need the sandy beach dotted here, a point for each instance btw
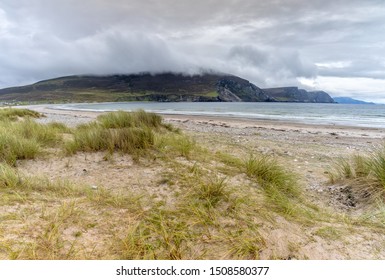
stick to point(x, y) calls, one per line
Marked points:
point(306, 150)
point(303, 148)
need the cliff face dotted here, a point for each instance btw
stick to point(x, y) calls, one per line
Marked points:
point(164, 87)
point(320, 97)
point(294, 94)
point(233, 88)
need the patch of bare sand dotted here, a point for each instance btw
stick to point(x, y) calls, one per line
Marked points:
point(117, 173)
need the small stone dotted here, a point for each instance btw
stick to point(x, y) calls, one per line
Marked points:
point(94, 187)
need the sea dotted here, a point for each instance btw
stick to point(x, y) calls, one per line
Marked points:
point(362, 115)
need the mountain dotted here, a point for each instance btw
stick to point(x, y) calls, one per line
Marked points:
point(138, 87)
point(294, 94)
point(348, 100)
point(164, 87)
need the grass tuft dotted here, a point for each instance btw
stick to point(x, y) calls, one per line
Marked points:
point(9, 177)
point(246, 244)
point(132, 133)
point(158, 236)
point(131, 140)
point(269, 174)
point(13, 148)
point(329, 232)
point(122, 119)
point(211, 192)
point(15, 113)
point(176, 145)
point(279, 186)
point(364, 174)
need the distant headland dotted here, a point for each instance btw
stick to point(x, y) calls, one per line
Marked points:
point(163, 87)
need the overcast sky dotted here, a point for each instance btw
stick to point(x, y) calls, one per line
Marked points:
point(337, 45)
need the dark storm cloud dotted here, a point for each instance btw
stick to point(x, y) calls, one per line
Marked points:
point(272, 43)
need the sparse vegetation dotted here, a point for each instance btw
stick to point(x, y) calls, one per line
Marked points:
point(179, 200)
point(329, 232)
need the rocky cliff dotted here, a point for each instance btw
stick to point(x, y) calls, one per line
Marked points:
point(232, 88)
point(294, 94)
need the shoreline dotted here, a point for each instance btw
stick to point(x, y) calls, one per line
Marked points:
point(293, 113)
point(75, 117)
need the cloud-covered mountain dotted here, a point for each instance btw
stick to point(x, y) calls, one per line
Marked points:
point(336, 46)
point(162, 87)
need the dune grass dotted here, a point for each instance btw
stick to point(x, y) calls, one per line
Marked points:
point(203, 223)
point(122, 119)
point(281, 189)
point(280, 186)
point(15, 113)
point(126, 140)
point(13, 148)
point(200, 205)
point(365, 174)
point(126, 132)
point(173, 145)
point(25, 139)
point(269, 173)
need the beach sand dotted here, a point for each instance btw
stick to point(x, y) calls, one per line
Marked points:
point(307, 150)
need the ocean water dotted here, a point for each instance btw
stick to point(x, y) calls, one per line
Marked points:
point(363, 115)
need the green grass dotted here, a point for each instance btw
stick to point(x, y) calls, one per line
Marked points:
point(269, 174)
point(13, 148)
point(329, 233)
point(176, 145)
point(131, 140)
point(211, 94)
point(365, 174)
point(46, 135)
point(212, 192)
point(9, 177)
point(122, 119)
point(126, 132)
point(246, 243)
point(25, 139)
point(15, 113)
point(280, 187)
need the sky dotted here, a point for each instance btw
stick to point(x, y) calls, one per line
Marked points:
point(333, 45)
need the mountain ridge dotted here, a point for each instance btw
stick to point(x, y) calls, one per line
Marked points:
point(161, 87)
point(295, 94)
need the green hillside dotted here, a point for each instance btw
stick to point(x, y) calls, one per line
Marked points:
point(164, 87)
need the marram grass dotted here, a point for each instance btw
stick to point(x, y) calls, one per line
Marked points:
point(269, 174)
point(127, 132)
point(365, 174)
point(122, 119)
point(15, 113)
